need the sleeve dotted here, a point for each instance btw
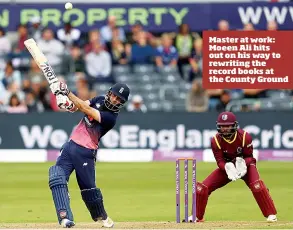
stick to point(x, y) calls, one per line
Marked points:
point(218, 153)
point(1, 75)
point(17, 77)
point(7, 46)
point(188, 102)
point(157, 52)
point(61, 35)
point(107, 119)
point(106, 65)
point(122, 34)
point(59, 48)
point(75, 34)
point(192, 53)
point(104, 33)
point(247, 146)
point(94, 100)
point(45, 48)
point(175, 54)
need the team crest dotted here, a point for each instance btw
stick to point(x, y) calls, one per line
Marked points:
point(121, 90)
point(62, 214)
point(224, 117)
point(257, 186)
point(199, 188)
point(239, 150)
point(98, 105)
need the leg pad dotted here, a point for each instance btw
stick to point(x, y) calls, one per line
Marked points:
point(262, 196)
point(58, 186)
point(93, 200)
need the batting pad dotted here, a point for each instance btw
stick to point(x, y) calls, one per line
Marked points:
point(263, 198)
point(93, 200)
point(58, 186)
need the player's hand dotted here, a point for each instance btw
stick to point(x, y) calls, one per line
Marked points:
point(241, 166)
point(231, 171)
point(59, 88)
point(63, 102)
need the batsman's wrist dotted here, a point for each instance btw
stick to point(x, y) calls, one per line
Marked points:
point(64, 93)
point(67, 92)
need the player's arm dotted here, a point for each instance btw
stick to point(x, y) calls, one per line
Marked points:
point(248, 149)
point(84, 106)
point(218, 153)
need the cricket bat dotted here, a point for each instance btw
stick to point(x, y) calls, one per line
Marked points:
point(41, 60)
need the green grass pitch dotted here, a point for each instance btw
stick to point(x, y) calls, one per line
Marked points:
point(139, 192)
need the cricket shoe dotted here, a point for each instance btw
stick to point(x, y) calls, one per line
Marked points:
point(108, 223)
point(272, 218)
point(197, 220)
point(65, 223)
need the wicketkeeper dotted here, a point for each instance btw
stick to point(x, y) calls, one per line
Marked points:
point(233, 151)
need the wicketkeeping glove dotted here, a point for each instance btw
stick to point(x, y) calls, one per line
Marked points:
point(241, 166)
point(231, 171)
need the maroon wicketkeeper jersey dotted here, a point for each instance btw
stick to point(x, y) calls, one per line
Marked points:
point(227, 150)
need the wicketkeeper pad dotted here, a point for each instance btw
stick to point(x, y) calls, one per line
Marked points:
point(93, 200)
point(263, 198)
point(202, 195)
point(58, 186)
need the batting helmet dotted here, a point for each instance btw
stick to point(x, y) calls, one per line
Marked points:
point(122, 92)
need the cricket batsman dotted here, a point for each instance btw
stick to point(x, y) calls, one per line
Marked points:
point(79, 153)
point(233, 151)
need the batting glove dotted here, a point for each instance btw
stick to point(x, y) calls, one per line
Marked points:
point(63, 102)
point(59, 88)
